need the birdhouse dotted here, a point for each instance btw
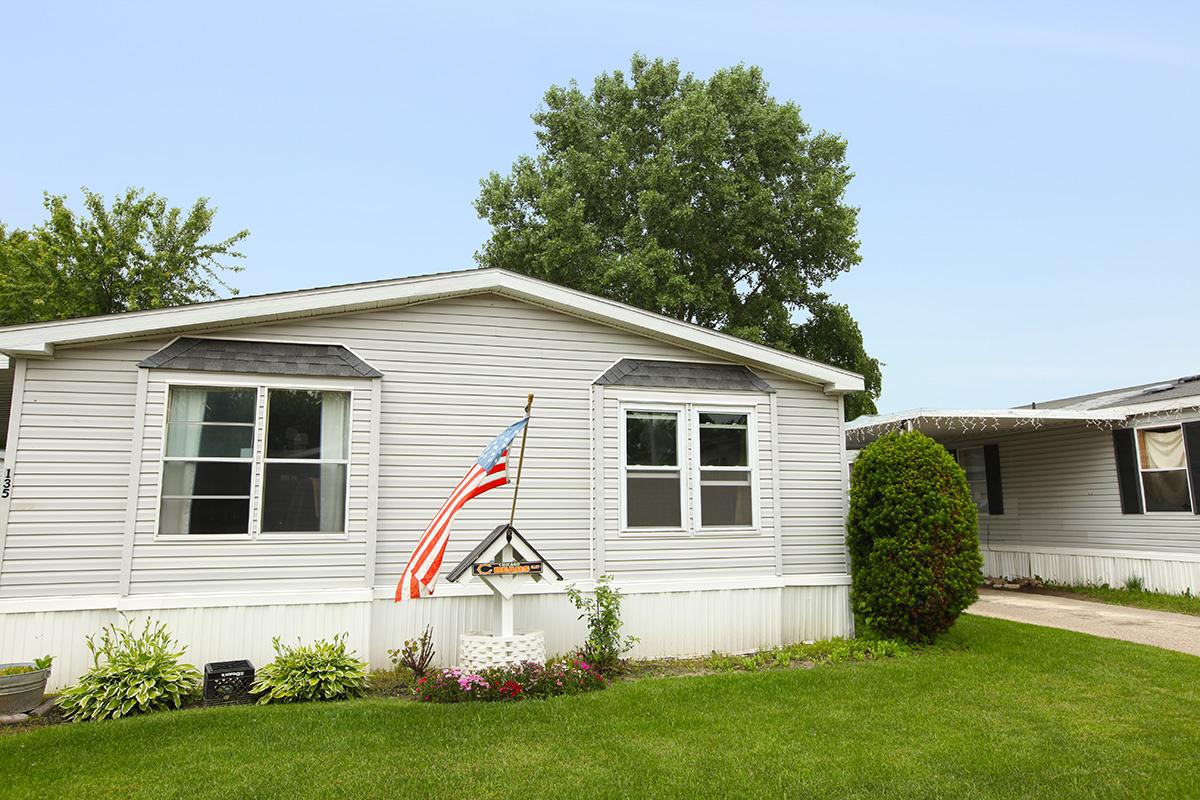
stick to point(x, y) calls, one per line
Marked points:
point(503, 561)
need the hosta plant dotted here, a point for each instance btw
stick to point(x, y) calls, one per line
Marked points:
point(132, 672)
point(323, 670)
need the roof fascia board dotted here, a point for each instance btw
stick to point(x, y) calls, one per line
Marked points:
point(39, 340)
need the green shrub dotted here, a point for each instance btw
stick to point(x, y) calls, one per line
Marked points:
point(131, 673)
point(605, 645)
point(323, 670)
point(913, 538)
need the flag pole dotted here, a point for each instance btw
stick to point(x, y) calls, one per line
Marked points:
point(512, 515)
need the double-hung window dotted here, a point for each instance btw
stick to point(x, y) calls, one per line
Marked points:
point(653, 470)
point(726, 490)
point(688, 469)
point(208, 463)
point(1162, 462)
point(227, 455)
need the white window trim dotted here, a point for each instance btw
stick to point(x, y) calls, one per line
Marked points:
point(694, 412)
point(1186, 469)
point(261, 384)
point(680, 413)
point(688, 409)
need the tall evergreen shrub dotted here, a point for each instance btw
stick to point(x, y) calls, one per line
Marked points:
point(913, 538)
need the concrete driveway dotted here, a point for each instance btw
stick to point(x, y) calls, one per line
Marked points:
point(1158, 628)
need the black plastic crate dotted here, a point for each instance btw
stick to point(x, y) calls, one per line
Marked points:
point(228, 683)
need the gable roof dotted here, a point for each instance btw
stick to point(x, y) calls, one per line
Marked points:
point(683, 375)
point(40, 339)
point(263, 358)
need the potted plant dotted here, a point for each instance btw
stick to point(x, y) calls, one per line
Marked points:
point(23, 684)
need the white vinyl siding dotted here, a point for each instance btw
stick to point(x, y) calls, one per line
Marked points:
point(1060, 490)
point(66, 518)
point(812, 479)
point(448, 389)
point(456, 372)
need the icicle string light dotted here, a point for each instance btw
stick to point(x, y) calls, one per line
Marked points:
point(991, 423)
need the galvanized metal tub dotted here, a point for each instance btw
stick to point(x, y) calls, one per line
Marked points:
point(23, 692)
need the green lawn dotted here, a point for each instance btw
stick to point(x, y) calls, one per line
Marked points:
point(1179, 603)
point(997, 709)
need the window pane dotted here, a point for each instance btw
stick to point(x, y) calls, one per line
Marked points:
point(198, 440)
point(973, 462)
point(307, 424)
point(1167, 491)
point(204, 404)
point(652, 499)
point(725, 499)
point(304, 497)
point(204, 516)
point(723, 440)
point(979, 495)
point(187, 478)
point(650, 439)
point(1162, 448)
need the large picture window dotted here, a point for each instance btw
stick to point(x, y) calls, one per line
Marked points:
point(675, 459)
point(1162, 461)
point(221, 452)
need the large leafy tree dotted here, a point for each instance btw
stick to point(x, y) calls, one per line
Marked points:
point(137, 253)
point(705, 200)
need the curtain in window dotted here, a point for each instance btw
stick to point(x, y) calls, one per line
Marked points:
point(187, 405)
point(335, 410)
point(1163, 449)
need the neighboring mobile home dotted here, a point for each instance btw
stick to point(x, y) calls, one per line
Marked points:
point(1099, 488)
point(263, 466)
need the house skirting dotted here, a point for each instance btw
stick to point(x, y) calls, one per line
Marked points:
point(669, 620)
point(1174, 573)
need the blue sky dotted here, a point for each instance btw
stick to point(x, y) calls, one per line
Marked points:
point(1027, 172)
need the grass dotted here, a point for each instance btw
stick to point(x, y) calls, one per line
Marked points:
point(996, 709)
point(1138, 598)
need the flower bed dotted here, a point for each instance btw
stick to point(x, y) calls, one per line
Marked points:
point(528, 680)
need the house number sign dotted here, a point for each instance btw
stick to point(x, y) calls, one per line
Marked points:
point(6, 486)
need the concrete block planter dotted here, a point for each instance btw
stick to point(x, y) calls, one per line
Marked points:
point(22, 692)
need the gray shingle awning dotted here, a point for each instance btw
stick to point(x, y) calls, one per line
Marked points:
point(264, 358)
point(683, 375)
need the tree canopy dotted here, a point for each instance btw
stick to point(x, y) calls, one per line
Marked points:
point(138, 253)
point(704, 200)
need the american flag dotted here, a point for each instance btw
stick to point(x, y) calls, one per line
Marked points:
point(488, 472)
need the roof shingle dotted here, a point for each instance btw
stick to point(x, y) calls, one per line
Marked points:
point(267, 358)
